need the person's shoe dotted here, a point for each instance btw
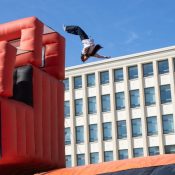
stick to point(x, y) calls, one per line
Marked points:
point(64, 27)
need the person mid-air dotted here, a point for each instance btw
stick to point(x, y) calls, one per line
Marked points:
point(89, 47)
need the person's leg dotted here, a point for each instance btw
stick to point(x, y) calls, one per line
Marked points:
point(76, 30)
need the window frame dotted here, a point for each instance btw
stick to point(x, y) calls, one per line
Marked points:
point(164, 93)
point(148, 95)
point(77, 106)
point(133, 99)
point(132, 76)
point(82, 159)
point(79, 85)
point(151, 153)
point(137, 155)
point(120, 136)
point(92, 103)
point(123, 157)
point(91, 157)
point(160, 63)
point(140, 124)
point(93, 139)
point(122, 100)
point(103, 82)
point(106, 131)
point(67, 142)
point(66, 85)
point(69, 159)
point(106, 156)
point(169, 151)
point(170, 123)
point(80, 139)
point(156, 130)
point(65, 109)
point(87, 79)
point(120, 78)
point(105, 108)
point(147, 73)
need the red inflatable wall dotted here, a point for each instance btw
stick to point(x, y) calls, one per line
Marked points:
point(29, 31)
point(32, 137)
point(7, 62)
point(151, 165)
point(31, 36)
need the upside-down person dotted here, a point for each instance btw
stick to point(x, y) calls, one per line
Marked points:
point(90, 49)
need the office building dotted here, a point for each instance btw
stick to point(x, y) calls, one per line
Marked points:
point(120, 108)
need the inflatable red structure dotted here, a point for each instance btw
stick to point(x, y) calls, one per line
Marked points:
point(32, 64)
point(32, 67)
point(153, 165)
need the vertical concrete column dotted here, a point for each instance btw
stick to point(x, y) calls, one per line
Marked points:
point(128, 112)
point(113, 114)
point(143, 112)
point(172, 80)
point(99, 114)
point(72, 121)
point(86, 121)
point(158, 107)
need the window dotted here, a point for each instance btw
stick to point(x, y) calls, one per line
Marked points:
point(165, 93)
point(67, 136)
point(149, 96)
point(93, 133)
point(78, 107)
point(43, 57)
point(90, 80)
point(66, 109)
point(108, 156)
point(170, 149)
point(104, 77)
point(152, 126)
point(80, 159)
point(68, 161)
point(121, 129)
point(79, 134)
point(133, 72)
point(136, 127)
point(66, 84)
point(77, 82)
point(105, 103)
point(153, 150)
point(118, 75)
point(120, 100)
point(92, 105)
point(174, 63)
point(134, 98)
point(94, 157)
point(138, 152)
point(163, 66)
point(168, 124)
point(123, 154)
point(147, 69)
point(107, 131)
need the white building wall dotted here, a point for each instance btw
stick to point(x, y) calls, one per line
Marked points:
point(127, 114)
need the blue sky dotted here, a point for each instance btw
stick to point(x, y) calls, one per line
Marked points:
point(121, 26)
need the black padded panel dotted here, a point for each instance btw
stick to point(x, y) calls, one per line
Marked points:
point(23, 84)
point(158, 170)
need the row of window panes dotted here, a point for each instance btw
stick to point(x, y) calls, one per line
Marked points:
point(123, 154)
point(163, 68)
point(149, 96)
point(152, 129)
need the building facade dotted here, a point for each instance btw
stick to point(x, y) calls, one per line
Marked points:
point(120, 108)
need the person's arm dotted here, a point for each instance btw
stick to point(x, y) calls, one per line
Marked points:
point(100, 56)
